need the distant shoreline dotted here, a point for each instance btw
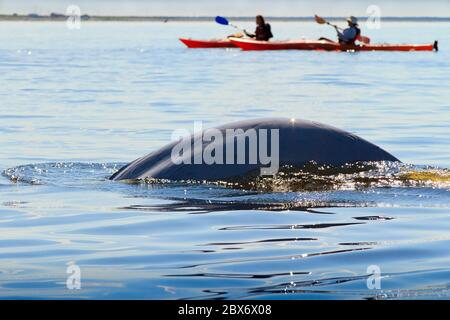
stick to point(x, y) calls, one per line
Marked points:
point(86, 17)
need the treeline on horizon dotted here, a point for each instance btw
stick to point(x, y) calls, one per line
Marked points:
point(59, 16)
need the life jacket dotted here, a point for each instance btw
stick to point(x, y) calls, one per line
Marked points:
point(263, 33)
point(357, 37)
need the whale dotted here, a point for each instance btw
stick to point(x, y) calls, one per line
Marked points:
point(294, 142)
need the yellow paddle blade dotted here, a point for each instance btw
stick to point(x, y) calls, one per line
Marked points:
point(365, 40)
point(319, 20)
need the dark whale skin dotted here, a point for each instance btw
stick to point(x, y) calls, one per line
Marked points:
point(300, 141)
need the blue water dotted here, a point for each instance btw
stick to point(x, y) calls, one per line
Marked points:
point(75, 105)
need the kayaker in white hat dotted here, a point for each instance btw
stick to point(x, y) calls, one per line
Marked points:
point(350, 34)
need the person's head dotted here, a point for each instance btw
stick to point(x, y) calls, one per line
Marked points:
point(352, 21)
point(260, 20)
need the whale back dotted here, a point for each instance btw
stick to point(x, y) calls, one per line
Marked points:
point(300, 142)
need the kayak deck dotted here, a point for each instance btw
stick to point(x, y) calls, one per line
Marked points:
point(214, 43)
point(323, 45)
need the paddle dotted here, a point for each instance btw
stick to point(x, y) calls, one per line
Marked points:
point(225, 22)
point(320, 20)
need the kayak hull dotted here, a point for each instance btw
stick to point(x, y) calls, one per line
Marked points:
point(215, 43)
point(323, 45)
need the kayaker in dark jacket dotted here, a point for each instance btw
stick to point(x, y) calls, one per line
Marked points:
point(263, 31)
point(351, 34)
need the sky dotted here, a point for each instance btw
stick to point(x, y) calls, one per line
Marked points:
point(431, 8)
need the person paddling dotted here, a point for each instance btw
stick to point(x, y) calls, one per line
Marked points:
point(350, 34)
point(263, 31)
point(347, 36)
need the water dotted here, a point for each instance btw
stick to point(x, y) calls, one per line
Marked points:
point(75, 105)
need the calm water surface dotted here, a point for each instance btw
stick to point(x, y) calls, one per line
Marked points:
point(75, 105)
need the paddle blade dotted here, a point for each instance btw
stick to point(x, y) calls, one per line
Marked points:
point(365, 40)
point(319, 20)
point(222, 20)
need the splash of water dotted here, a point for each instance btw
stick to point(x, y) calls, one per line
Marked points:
point(61, 173)
point(311, 177)
point(355, 176)
point(312, 186)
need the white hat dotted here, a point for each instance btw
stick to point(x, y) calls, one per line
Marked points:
point(353, 20)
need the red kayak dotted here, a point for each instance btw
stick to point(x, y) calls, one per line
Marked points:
point(323, 45)
point(215, 43)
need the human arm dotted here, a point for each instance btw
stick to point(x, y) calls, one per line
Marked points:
point(251, 35)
